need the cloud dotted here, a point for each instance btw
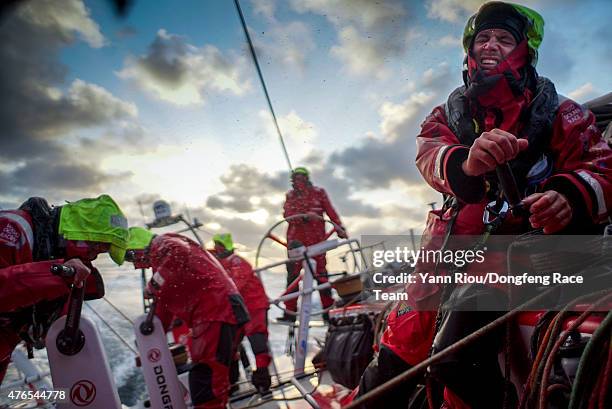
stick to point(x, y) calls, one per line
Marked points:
point(397, 117)
point(43, 116)
point(288, 43)
point(391, 158)
point(583, 92)
point(246, 189)
point(361, 55)
point(452, 10)
point(450, 41)
point(300, 135)
point(266, 8)
point(365, 14)
point(63, 22)
point(180, 73)
point(369, 32)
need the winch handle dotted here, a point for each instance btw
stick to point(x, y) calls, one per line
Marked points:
point(147, 327)
point(71, 340)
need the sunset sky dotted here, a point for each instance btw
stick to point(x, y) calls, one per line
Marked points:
point(165, 102)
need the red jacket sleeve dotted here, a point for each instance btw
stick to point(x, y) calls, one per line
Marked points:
point(439, 158)
point(290, 206)
point(26, 284)
point(583, 164)
point(329, 209)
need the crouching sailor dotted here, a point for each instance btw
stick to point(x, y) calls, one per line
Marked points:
point(189, 283)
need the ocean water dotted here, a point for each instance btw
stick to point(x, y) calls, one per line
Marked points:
point(123, 289)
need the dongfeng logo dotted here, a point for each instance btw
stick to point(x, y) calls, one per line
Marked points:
point(83, 393)
point(154, 355)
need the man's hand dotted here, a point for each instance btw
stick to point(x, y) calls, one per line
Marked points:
point(82, 271)
point(490, 149)
point(550, 210)
point(341, 232)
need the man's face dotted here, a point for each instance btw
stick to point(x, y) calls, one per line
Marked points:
point(140, 258)
point(491, 46)
point(300, 182)
point(85, 250)
point(219, 248)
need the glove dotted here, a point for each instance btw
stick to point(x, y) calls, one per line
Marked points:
point(261, 380)
point(342, 233)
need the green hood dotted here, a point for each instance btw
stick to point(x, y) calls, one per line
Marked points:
point(98, 220)
point(534, 27)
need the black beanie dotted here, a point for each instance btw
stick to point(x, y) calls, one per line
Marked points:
point(500, 15)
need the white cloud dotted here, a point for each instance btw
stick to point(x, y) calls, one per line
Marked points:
point(66, 18)
point(266, 8)
point(583, 92)
point(178, 72)
point(366, 14)
point(452, 10)
point(395, 117)
point(300, 135)
point(368, 32)
point(449, 41)
point(288, 43)
point(361, 55)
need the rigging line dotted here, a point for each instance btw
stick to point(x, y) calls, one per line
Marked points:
point(112, 330)
point(263, 83)
point(118, 310)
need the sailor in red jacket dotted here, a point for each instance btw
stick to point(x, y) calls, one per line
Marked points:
point(505, 113)
point(252, 291)
point(190, 284)
point(305, 198)
point(35, 237)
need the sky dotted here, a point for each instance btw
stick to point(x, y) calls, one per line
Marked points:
point(165, 103)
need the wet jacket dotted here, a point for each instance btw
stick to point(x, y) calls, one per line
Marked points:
point(191, 284)
point(248, 283)
point(25, 283)
point(312, 200)
point(582, 172)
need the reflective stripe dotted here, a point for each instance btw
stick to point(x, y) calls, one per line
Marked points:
point(158, 279)
point(601, 201)
point(23, 223)
point(438, 162)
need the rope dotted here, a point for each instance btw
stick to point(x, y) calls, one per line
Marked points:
point(112, 330)
point(551, 357)
point(581, 374)
point(119, 311)
point(468, 340)
point(262, 81)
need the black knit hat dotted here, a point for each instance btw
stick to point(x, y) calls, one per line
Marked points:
point(501, 15)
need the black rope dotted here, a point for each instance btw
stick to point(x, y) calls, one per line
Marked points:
point(263, 83)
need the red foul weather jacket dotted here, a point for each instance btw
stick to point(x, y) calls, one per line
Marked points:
point(248, 283)
point(582, 172)
point(191, 284)
point(24, 282)
point(312, 200)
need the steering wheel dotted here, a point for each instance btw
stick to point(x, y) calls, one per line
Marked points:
point(270, 235)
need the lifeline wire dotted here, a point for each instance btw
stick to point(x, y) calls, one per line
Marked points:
point(113, 331)
point(119, 311)
point(263, 83)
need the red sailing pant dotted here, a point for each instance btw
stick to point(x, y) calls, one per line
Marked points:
point(214, 346)
point(293, 270)
point(256, 331)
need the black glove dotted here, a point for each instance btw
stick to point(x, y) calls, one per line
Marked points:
point(261, 380)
